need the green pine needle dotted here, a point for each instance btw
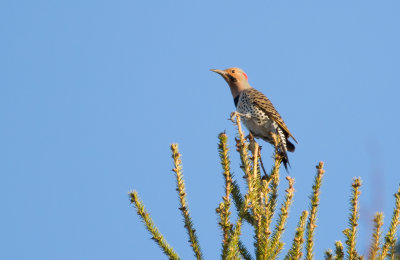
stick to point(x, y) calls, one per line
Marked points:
point(156, 235)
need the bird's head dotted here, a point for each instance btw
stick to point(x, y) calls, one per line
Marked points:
point(236, 79)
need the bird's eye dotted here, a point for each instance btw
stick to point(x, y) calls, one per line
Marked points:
point(233, 71)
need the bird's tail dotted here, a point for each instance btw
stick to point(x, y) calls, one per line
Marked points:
point(283, 147)
point(285, 158)
point(290, 147)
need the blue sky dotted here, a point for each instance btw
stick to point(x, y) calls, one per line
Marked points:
point(92, 93)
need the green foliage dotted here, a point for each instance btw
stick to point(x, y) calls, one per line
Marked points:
point(194, 243)
point(339, 250)
point(257, 206)
point(311, 224)
point(156, 235)
point(376, 235)
point(351, 232)
point(295, 251)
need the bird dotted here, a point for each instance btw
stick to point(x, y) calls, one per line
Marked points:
point(257, 112)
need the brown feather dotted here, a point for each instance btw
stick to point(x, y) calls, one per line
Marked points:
point(260, 100)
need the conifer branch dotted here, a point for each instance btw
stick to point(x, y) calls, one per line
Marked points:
point(393, 254)
point(233, 244)
point(311, 224)
point(258, 207)
point(339, 251)
point(224, 208)
point(269, 196)
point(243, 148)
point(183, 204)
point(329, 254)
point(263, 242)
point(274, 182)
point(238, 201)
point(156, 235)
point(233, 252)
point(251, 176)
point(244, 252)
point(376, 235)
point(351, 232)
point(295, 252)
point(257, 197)
point(276, 244)
point(251, 170)
point(268, 200)
point(390, 239)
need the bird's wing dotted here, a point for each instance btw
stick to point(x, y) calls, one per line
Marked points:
point(260, 100)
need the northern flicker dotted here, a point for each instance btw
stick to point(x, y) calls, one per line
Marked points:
point(257, 112)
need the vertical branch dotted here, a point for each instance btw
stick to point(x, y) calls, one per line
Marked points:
point(351, 232)
point(298, 240)
point(311, 224)
point(276, 244)
point(233, 252)
point(339, 250)
point(274, 182)
point(328, 254)
point(259, 233)
point(393, 254)
point(376, 235)
point(194, 243)
point(243, 148)
point(238, 201)
point(269, 194)
point(252, 176)
point(390, 239)
point(224, 209)
point(156, 235)
point(233, 244)
point(256, 152)
point(263, 243)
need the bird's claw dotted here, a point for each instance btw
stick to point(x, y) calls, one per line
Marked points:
point(234, 114)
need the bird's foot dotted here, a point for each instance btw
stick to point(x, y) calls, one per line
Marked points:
point(234, 114)
point(247, 115)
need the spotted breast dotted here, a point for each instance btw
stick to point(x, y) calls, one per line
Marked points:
point(262, 119)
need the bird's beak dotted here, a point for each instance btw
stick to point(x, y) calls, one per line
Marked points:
point(220, 72)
